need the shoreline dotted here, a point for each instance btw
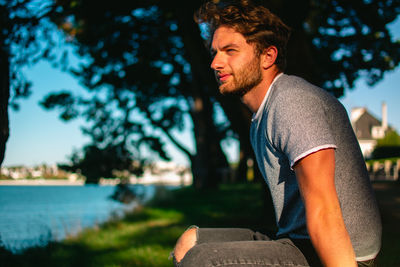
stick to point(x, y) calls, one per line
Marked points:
point(33, 182)
point(62, 182)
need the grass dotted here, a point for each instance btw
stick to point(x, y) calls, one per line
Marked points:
point(146, 236)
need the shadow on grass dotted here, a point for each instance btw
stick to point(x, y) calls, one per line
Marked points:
point(146, 248)
point(239, 205)
point(146, 237)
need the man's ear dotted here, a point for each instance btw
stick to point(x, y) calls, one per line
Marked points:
point(268, 57)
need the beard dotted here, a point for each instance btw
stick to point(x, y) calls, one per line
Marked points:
point(244, 79)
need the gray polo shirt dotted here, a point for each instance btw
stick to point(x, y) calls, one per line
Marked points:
point(294, 120)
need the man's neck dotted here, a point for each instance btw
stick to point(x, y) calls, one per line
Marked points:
point(255, 96)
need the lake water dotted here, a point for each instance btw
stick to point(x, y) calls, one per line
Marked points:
point(34, 215)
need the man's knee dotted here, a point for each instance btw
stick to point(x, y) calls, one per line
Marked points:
point(200, 255)
point(187, 240)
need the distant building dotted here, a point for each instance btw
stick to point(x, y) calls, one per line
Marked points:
point(40, 171)
point(368, 128)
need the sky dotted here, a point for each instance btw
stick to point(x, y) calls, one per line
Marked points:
point(38, 137)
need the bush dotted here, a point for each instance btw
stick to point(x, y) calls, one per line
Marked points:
point(387, 147)
point(386, 152)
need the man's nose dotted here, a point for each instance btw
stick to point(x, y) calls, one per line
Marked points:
point(217, 62)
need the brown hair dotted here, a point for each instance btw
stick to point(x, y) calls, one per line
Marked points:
point(256, 23)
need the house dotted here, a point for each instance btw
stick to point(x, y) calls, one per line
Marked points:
point(368, 128)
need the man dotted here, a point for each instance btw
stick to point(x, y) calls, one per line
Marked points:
point(306, 150)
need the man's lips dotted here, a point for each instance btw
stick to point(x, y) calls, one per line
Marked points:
point(223, 77)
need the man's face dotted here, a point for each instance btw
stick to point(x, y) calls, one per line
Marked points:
point(236, 66)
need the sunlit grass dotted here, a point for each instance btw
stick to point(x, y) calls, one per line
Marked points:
point(147, 236)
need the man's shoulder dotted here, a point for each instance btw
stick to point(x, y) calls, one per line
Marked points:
point(293, 95)
point(294, 83)
point(291, 88)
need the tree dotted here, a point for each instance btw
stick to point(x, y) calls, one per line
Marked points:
point(103, 162)
point(337, 42)
point(149, 60)
point(23, 30)
point(163, 99)
point(4, 83)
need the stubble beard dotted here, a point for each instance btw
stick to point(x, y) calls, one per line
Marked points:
point(244, 79)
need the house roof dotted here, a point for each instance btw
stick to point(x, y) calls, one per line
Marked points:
point(363, 123)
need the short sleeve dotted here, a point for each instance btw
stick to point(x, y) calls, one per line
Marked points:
point(299, 125)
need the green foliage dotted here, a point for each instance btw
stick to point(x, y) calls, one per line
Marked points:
point(391, 139)
point(387, 147)
point(64, 99)
point(144, 81)
point(21, 22)
point(26, 37)
point(99, 163)
point(142, 85)
point(347, 38)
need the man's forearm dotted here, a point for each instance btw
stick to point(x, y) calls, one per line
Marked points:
point(316, 178)
point(330, 238)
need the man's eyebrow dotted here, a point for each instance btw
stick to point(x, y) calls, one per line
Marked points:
point(230, 45)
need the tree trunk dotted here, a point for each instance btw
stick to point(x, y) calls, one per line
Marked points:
point(240, 118)
point(4, 98)
point(210, 163)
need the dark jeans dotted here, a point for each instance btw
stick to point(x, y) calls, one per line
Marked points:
point(237, 247)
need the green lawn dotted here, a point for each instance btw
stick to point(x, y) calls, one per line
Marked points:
point(146, 236)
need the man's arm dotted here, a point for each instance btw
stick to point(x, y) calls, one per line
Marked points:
point(316, 178)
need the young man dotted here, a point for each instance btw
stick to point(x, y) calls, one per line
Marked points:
point(306, 150)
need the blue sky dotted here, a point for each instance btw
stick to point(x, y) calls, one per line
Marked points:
point(38, 136)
